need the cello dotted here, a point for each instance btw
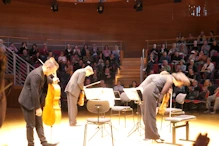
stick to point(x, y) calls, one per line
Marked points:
point(52, 110)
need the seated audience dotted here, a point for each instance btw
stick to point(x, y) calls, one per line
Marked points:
point(205, 48)
point(13, 48)
point(68, 51)
point(201, 37)
point(118, 87)
point(207, 69)
point(213, 98)
point(164, 57)
point(214, 49)
point(23, 47)
point(165, 66)
point(134, 84)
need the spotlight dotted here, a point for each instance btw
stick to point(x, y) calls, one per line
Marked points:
point(55, 8)
point(6, 1)
point(138, 6)
point(100, 8)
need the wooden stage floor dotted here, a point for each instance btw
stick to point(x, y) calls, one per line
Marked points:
point(13, 132)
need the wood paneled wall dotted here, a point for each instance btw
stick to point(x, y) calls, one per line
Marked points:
point(82, 22)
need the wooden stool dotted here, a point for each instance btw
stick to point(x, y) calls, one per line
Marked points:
point(177, 119)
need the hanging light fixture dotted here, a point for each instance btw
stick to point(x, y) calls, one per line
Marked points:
point(6, 1)
point(100, 7)
point(138, 6)
point(55, 7)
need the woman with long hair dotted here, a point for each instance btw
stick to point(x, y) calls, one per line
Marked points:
point(153, 92)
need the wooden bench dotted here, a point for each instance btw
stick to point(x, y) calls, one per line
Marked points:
point(177, 119)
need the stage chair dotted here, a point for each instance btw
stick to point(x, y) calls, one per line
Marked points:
point(118, 110)
point(98, 107)
point(174, 111)
point(179, 117)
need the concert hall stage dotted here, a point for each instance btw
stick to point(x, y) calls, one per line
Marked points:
point(13, 132)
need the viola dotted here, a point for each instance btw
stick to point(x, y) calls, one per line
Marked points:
point(82, 96)
point(81, 99)
point(164, 104)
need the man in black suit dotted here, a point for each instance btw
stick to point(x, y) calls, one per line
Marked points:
point(31, 100)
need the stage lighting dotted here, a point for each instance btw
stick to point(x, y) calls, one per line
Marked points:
point(177, 1)
point(138, 6)
point(55, 8)
point(100, 8)
point(6, 1)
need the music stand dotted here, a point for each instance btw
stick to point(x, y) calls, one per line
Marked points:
point(136, 95)
point(100, 94)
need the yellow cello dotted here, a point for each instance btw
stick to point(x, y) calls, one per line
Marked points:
point(52, 110)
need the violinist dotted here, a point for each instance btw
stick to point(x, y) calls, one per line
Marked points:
point(73, 89)
point(30, 100)
point(154, 91)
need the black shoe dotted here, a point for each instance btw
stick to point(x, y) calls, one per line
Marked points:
point(50, 144)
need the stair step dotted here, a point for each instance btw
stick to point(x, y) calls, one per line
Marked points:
point(127, 81)
point(131, 59)
point(130, 67)
point(128, 76)
point(131, 63)
point(130, 73)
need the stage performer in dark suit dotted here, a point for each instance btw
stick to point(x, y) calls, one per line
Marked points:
point(73, 89)
point(31, 99)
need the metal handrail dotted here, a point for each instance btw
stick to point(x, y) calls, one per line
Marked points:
point(17, 67)
point(168, 42)
point(59, 42)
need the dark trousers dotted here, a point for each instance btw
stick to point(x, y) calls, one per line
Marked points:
point(33, 121)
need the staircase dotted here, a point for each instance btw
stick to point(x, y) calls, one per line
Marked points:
point(130, 71)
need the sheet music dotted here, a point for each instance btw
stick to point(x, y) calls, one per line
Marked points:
point(100, 94)
point(132, 93)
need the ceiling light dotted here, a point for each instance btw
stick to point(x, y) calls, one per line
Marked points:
point(6, 1)
point(100, 8)
point(138, 6)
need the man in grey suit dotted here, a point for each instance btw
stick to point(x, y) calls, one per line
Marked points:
point(30, 100)
point(73, 89)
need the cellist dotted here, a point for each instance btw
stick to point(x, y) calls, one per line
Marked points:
point(30, 100)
